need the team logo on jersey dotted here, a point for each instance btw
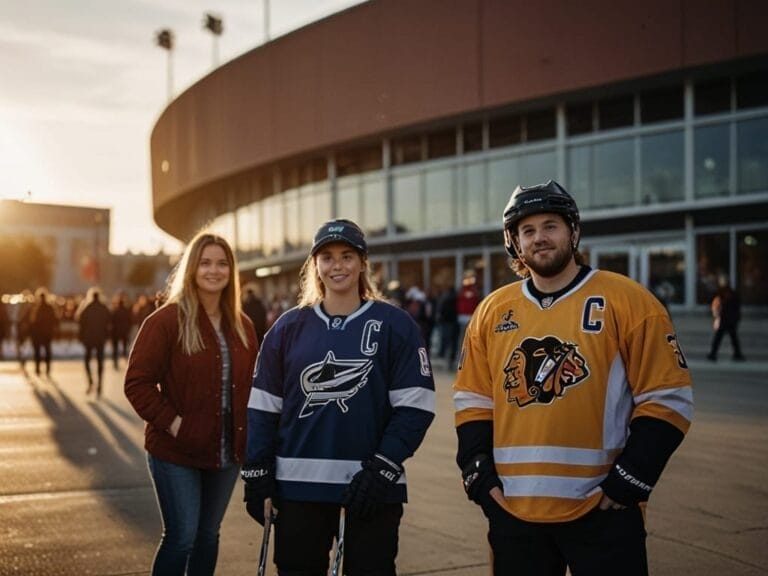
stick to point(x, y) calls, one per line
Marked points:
point(540, 370)
point(332, 380)
point(672, 341)
point(507, 323)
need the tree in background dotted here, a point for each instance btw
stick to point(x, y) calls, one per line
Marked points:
point(24, 264)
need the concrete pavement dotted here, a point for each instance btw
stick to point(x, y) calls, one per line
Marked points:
point(75, 497)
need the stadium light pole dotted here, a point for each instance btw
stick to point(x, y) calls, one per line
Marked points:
point(164, 39)
point(266, 21)
point(215, 25)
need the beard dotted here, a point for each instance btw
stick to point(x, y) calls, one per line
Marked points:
point(551, 264)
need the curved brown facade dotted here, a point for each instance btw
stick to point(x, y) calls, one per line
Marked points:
point(388, 64)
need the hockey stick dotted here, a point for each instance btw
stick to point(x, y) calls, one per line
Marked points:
point(268, 516)
point(339, 545)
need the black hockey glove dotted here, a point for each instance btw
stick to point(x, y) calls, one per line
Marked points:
point(370, 486)
point(259, 485)
point(479, 477)
point(623, 486)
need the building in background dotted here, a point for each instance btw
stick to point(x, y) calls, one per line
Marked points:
point(418, 119)
point(66, 249)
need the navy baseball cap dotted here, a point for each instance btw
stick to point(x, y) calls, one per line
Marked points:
point(340, 230)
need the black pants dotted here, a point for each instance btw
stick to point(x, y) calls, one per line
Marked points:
point(118, 342)
point(41, 348)
point(305, 532)
point(600, 543)
point(89, 350)
point(731, 330)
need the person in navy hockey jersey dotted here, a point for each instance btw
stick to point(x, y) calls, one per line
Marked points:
point(342, 395)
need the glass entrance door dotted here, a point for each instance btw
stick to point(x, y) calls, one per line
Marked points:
point(620, 259)
point(663, 272)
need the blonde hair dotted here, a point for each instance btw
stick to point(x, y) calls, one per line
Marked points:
point(182, 291)
point(312, 289)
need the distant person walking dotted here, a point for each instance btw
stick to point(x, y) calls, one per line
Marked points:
point(5, 328)
point(93, 318)
point(726, 311)
point(21, 320)
point(43, 323)
point(189, 377)
point(255, 310)
point(122, 322)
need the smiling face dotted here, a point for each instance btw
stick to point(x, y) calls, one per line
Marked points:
point(213, 270)
point(339, 267)
point(545, 242)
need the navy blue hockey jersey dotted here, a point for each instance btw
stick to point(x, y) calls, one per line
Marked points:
point(329, 392)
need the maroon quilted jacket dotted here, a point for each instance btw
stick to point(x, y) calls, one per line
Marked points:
point(162, 381)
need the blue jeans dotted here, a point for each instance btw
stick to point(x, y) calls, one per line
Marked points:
point(192, 504)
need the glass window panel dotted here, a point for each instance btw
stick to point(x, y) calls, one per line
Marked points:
point(540, 125)
point(752, 250)
point(473, 137)
point(752, 148)
point(273, 225)
point(293, 220)
point(406, 192)
point(248, 224)
point(471, 195)
point(711, 160)
point(537, 168)
point(614, 173)
point(578, 118)
point(503, 176)
point(712, 261)
point(224, 226)
point(712, 96)
point(661, 105)
point(442, 273)
point(505, 131)
point(616, 112)
point(614, 262)
point(752, 89)
point(410, 273)
point(666, 274)
point(662, 167)
point(580, 175)
point(438, 195)
point(406, 150)
point(441, 143)
point(501, 273)
point(358, 160)
point(473, 272)
point(348, 202)
point(374, 218)
point(315, 209)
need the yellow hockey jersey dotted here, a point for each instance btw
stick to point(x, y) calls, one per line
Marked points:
point(562, 383)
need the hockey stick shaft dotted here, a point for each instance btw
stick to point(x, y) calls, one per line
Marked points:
point(265, 538)
point(339, 545)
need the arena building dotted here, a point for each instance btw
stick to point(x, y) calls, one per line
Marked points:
point(418, 118)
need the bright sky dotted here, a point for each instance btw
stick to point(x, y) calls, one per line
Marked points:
point(82, 82)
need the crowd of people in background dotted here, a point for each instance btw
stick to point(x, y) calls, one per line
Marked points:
point(34, 321)
point(31, 324)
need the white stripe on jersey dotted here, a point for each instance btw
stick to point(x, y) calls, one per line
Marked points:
point(553, 455)
point(618, 405)
point(678, 399)
point(415, 397)
point(263, 400)
point(551, 486)
point(465, 400)
point(322, 470)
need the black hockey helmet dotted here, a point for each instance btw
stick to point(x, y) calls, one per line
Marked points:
point(538, 199)
point(340, 230)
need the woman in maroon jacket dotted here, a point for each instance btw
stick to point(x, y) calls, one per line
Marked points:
point(189, 377)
